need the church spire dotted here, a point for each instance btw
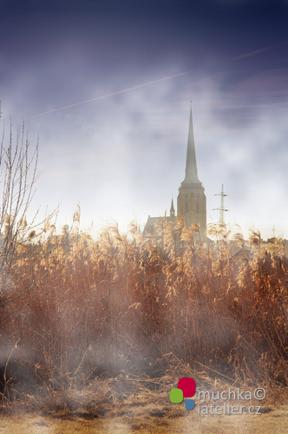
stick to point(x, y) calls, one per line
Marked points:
point(191, 200)
point(191, 173)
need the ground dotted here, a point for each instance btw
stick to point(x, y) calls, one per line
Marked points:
point(139, 404)
point(275, 421)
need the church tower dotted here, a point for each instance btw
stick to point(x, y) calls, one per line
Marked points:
point(191, 201)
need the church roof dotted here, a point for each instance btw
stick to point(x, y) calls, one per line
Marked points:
point(155, 224)
point(191, 172)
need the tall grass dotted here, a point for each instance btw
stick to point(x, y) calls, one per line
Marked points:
point(78, 307)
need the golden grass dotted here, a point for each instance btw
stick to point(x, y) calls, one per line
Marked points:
point(81, 309)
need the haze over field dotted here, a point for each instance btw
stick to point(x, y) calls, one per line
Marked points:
point(104, 333)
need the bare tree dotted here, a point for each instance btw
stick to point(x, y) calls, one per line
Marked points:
point(18, 165)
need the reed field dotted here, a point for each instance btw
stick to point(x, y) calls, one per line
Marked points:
point(75, 310)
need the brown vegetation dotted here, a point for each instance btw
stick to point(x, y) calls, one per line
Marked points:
point(75, 309)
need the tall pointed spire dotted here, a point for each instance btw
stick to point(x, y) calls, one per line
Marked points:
point(191, 200)
point(191, 173)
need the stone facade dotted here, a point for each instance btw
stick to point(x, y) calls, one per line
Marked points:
point(191, 201)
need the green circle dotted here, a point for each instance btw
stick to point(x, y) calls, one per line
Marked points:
point(176, 395)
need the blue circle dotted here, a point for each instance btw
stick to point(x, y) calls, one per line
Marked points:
point(189, 404)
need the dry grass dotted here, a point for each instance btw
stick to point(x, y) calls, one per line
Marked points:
point(83, 310)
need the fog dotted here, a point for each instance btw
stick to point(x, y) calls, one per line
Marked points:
point(116, 143)
point(123, 157)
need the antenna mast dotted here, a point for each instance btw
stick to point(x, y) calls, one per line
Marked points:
point(221, 209)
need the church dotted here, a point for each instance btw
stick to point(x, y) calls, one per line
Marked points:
point(191, 200)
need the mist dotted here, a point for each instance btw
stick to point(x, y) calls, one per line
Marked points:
point(123, 157)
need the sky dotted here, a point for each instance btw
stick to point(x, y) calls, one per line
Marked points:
point(107, 86)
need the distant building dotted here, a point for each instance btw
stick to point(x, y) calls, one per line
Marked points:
point(191, 201)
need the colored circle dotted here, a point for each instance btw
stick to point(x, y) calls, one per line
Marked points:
point(176, 395)
point(189, 404)
point(188, 386)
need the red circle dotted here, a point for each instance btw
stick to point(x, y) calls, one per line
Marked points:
point(188, 386)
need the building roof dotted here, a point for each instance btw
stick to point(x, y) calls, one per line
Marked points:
point(154, 225)
point(191, 171)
